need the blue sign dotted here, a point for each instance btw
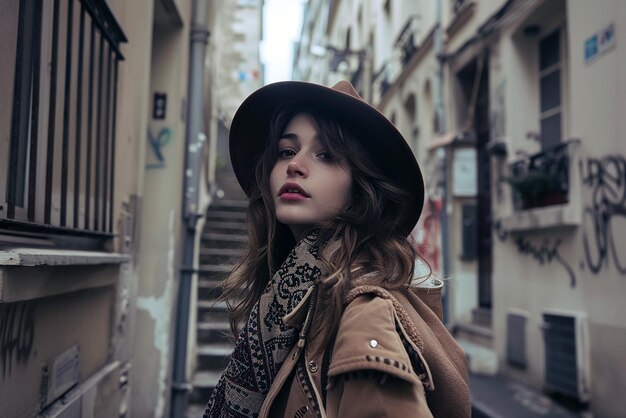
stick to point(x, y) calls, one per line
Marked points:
point(599, 42)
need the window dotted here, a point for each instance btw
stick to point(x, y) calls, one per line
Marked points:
point(550, 75)
point(58, 164)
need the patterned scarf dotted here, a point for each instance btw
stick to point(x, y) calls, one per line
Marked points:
point(265, 340)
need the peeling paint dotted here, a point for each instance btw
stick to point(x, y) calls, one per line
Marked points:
point(159, 310)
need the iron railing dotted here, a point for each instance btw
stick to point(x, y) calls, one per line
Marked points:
point(61, 158)
point(458, 5)
point(406, 42)
point(541, 179)
point(381, 79)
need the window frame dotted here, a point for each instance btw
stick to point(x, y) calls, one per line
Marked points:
point(562, 67)
point(54, 129)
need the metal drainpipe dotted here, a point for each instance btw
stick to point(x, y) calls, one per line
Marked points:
point(441, 126)
point(194, 141)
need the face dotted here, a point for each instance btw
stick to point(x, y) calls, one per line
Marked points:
point(308, 185)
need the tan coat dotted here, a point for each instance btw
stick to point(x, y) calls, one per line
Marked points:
point(392, 357)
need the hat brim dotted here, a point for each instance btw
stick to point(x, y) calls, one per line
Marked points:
point(250, 128)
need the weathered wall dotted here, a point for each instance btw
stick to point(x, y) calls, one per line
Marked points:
point(578, 268)
point(160, 223)
point(34, 332)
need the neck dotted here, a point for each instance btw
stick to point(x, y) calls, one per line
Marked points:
point(300, 231)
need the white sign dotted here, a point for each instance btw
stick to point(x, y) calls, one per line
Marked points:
point(63, 374)
point(464, 181)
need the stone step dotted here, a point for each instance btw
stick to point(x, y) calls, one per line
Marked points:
point(216, 332)
point(475, 333)
point(226, 215)
point(482, 316)
point(240, 205)
point(195, 410)
point(211, 311)
point(220, 256)
point(233, 252)
point(481, 360)
point(205, 269)
point(221, 240)
point(203, 383)
point(225, 227)
point(209, 289)
point(214, 356)
point(212, 275)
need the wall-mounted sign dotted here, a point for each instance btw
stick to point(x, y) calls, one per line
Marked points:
point(61, 375)
point(599, 42)
point(464, 181)
point(159, 106)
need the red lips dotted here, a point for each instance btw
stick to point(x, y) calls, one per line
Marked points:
point(292, 190)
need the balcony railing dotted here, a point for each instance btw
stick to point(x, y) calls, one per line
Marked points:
point(541, 179)
point(61, 156)
point(406, 43)
point(458, 5)
point(381, 80)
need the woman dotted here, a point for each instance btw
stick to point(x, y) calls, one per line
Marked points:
point(332, 326)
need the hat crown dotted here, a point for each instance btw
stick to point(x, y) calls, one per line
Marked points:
point(346, 87)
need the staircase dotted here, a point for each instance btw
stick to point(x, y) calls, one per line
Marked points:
point(222, 242)
point(476, 338)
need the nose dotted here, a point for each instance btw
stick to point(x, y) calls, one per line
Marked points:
point(296, 167)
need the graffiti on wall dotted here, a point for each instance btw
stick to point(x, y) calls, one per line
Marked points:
point(17, 334)
point(428, 233)
point(544, 252)
point(606, 179)
point(157, 143)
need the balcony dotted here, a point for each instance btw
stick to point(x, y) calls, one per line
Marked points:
point(544, 189)
point(381, 80)
point(541, 179)
point(406, 43)
point(458, 5)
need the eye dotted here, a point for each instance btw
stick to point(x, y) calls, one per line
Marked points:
point(325, 155)
point(285, 153)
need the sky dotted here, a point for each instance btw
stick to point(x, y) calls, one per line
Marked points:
point(282, 22)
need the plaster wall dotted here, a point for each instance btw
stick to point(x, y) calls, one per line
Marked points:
point(88, 305)
point(574, 269)
point(36, 331)
point(160, 220)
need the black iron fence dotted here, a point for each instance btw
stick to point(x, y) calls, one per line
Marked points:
point(406, 42)
point(60, 164)
point(381, 79)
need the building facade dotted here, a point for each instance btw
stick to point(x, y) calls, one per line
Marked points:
point(95, 202)
point(512, 109)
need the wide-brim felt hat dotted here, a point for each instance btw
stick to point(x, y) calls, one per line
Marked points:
point(386, 146)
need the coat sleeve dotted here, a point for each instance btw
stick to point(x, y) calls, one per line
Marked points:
point(371, 373)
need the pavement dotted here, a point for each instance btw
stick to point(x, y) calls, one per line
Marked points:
point(499, 397)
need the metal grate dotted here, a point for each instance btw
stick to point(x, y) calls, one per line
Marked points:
point(61, 157)
point(516, 339)
point(565, 355)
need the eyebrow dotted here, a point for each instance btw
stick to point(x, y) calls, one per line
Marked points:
point(288, 135)
point(293, 136)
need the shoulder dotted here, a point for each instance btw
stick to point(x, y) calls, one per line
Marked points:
point(371, 337)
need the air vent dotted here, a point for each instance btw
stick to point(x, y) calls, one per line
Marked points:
point(516, 339)
point(567, 354)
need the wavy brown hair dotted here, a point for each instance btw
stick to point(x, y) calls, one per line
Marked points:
point(373, 249)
